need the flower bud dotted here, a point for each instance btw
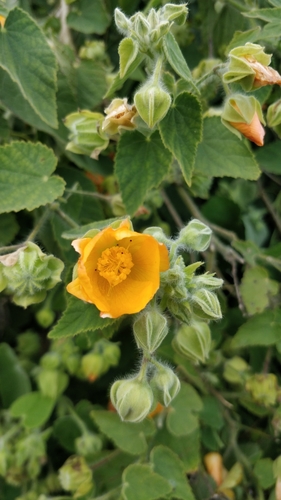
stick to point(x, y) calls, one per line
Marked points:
point(243, 115)
point(51, 360)
point(263, 388)
point(45, 317)
point(142, 27)
point(28, 344)
point(76, 476)
point(94, 365)
point(86, 136)
point(29, 274)
point(93, 50)
point(177, 13)
point(132, 398)
point(196, 235)
point(120, 115)
point(208, 281)
point(235, 370)
point(273, 116)
point(52, 383)
point(214, 466)
point(248, 65)
point(181, 310)
point(152, 103)
point(111, 351)
point(158, 234)
point(88, 445)
point(2, 21)
point(161, 30)
point(72, 363)
point(117, 206)
point(122, 22)
point(150, 329)
point(206, 304)
point(165, 384)
point(194, 341)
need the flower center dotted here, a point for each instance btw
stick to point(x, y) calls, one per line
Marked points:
point(115, 265)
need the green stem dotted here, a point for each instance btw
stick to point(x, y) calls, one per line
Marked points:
point(270, 207)
point(82, 426)
point(65, 217)
point(172, 210)
point(39, 224)
point(214, 73)
point(157, 70)
point(94, 194)
point(11, 248)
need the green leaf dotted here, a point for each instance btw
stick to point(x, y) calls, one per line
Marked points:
point(211, 413)
point(167, 464)
point(257, 279)
point(89, 16)
point(128, 436)
point(25, 170)
point(8, 228)
point(242, 37)
point(187, 448)
point(263, 470)
point(91, 84)
point(14, 381)
point(141, 483)
point(221, 153)
point(270, 14)
point(77, 318)
point(269, 158)
point(141, 164)
point(66, 430)
point(262, 329)
point(181, 131)
point(175, 57)
point(34, 408)
point(271, 30)
point(181, 419)
point(128, 51)
point(118, 81)
point(81, 230)
point(27, 57)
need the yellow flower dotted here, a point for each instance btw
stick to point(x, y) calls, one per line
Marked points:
point(119, 270)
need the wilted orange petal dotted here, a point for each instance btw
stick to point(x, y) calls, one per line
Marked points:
point(265, 75)
point(253, 131)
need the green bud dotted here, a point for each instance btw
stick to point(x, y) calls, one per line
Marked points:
point(30, 273)
point(263, 388)
point(152, 103)
point(273, 116)
point(122, 22)
point(86, 136)
point(45, 317)
point(177, 13)
point(150, 329)
point(111, 351)
point(132, 399)
point(117, 205)
point(51, 360)
point(208, 281)
point(180, 309)
point(88, 445)
point(72, 363)
point(242, 115)
point(206, 304)
point(52, 383)
point(28, 344)
point(153, 18)
point(76, 476)
point(165, 384)
point(196, 236)
point(93, 50)
point(94, 365)
point(235, 370)
point(194, 341)
point(142, 28)
point(161, 30)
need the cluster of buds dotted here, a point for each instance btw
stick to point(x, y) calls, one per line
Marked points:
point(27, 274)
point(263, 389)
point(148, 31)
point(248, 65)
point(97, 362)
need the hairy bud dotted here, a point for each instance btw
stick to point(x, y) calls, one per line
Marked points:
point(150, 329)
point(132, 398)
point(165, 384)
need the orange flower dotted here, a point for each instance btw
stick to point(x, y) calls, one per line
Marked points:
point(119, 270)
point(253, 131)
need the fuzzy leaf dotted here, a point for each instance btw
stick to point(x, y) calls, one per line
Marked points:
point(79, 317)
point(89, 16)
point(141, 164)
point(28, 59)
point(34, 408)
point(141, 483)
point(221, 153)
point(261, 329)
point(181, 131)
point(25, 180)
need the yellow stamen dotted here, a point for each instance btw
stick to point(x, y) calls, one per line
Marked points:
point(115, 264)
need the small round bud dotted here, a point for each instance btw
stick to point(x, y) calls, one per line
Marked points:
point(45, 317)
point(51, 360)
point(152, 103)
point(236, 370)
point(165, 384)
point(194, 341)
point(88, 445)
point(94, 365)
point(76, 476)
point(196, 236)
point(52, 383)
point(132, 399)
point(111, 352)
point(150, 329)
point(28, 344)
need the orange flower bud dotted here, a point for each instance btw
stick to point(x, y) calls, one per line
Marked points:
point(2, 21)
point(158, 409)
point(253, 131)
point(214, 466)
